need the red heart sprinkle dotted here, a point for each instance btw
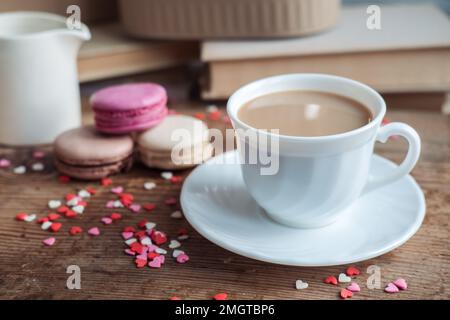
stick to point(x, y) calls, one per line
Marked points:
point(42, 220)
point(82, 203)
point(129, 229)
point(116, 216)
point(346, 294)
point(149, 206)
point(75, 230)
point(106, 182)
point(21, 216)
point(330, 280)
point(64, 179)
point(55, 226)
point(176, 179)
point(171, 201)
point(137, 247)
point(62, 209)
point(140, 263)
point(53, 216)
point(70, 214)
point(140, 234)
point(352, 271)
point(152, 255)
point(91, 190)
point(200, 116)
point(220, 296)
point(159, 237)
point(142, 223)
point(70, 196)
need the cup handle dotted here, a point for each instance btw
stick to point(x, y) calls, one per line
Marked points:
point(400, 129)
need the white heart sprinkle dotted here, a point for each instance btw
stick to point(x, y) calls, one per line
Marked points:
point(78, 209)
point(146, 241)
point(174, 244)
point(343, 278)
point(130, 241)
point(183, 237)
point(46, 225)
point(150, 225)
point(167, 175)
point(30, 218)
point(176, 253)
point(118, 204)
point(84, 194)
point(176, 215)
point(160, 251)
point(149, 185)
point(20, 170)
point(53, 204)
point(211, 108)
point(72, 202)
point(39, 166)
point(300, 285)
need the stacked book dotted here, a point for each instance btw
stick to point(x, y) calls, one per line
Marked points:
point(410, 53)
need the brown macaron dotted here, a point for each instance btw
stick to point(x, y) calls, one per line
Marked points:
point(86, 154)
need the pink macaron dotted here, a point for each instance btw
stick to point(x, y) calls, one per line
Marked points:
point(130, 107)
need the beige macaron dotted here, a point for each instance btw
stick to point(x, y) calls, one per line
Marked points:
point(178, 142)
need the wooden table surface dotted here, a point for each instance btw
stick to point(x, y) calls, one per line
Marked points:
point(28, 270)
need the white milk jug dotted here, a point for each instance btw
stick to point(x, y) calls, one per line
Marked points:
point(39, 90)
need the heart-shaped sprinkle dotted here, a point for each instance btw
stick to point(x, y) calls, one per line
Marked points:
point(94, 231)
point(118, 204)
point(20, 170)
point(159, 238)
point(146, 241)
point(149, 185)
point(155, 263)
point(200, 116)
point(127, 235)
point(55, 226)
point(401, 284)
point(117, 190)
point(183, 237)
point(300, 285)
point(345, 294)
point(78, 209)
point(130, 241)
point(106, 220)
point(106, 182)
point(152, 255)
point(70, 214)
point(42, 220)
point(116, 216)
point(30, 218)
point(5, 163)
point(151, 248)
point(137, 247)
point(38, 166)
point(330, 280)
point(391, 288)
point(84, 194)
point(150, 225)
point(91, 191)
point(220, 296)
point(130, 252)
point(167, 175)
point(46, 225)
point(352, 271)
point(343, 278)
point(161, 259)
point(21, 216)
point(129, 229)
point(38, 154)
point(53, 204)
point(140, 263)
point(174, 244)
point(53, 216)
point(354, 287)
point(176, 215)
point(136, 208)
point(110, 204)
point(142, 257)
point(160, 251)
point(62, 209)
point(183, 258)
point(72, 202)
point(176, 253)
point(149, 206)
point(49, 241)
point(75, 230)
point(176, 180)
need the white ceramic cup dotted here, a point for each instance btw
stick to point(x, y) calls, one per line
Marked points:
point(318, 177)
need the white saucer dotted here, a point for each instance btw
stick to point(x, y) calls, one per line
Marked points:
point(216, 203)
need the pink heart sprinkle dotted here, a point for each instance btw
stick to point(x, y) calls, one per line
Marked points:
point(49, 241)
point(135, 208)
point(354, 287)
point(401, 284)
point(391, 288)
point(151, 248)
point(110, 204)
point(142, 257)
point(117, 190)
point(94, 231)
point(127, 235)
point(4, 163)
point(107, 220)
point(161, 259)
point(155, 263)
point(183, 258)
point(130, 252)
